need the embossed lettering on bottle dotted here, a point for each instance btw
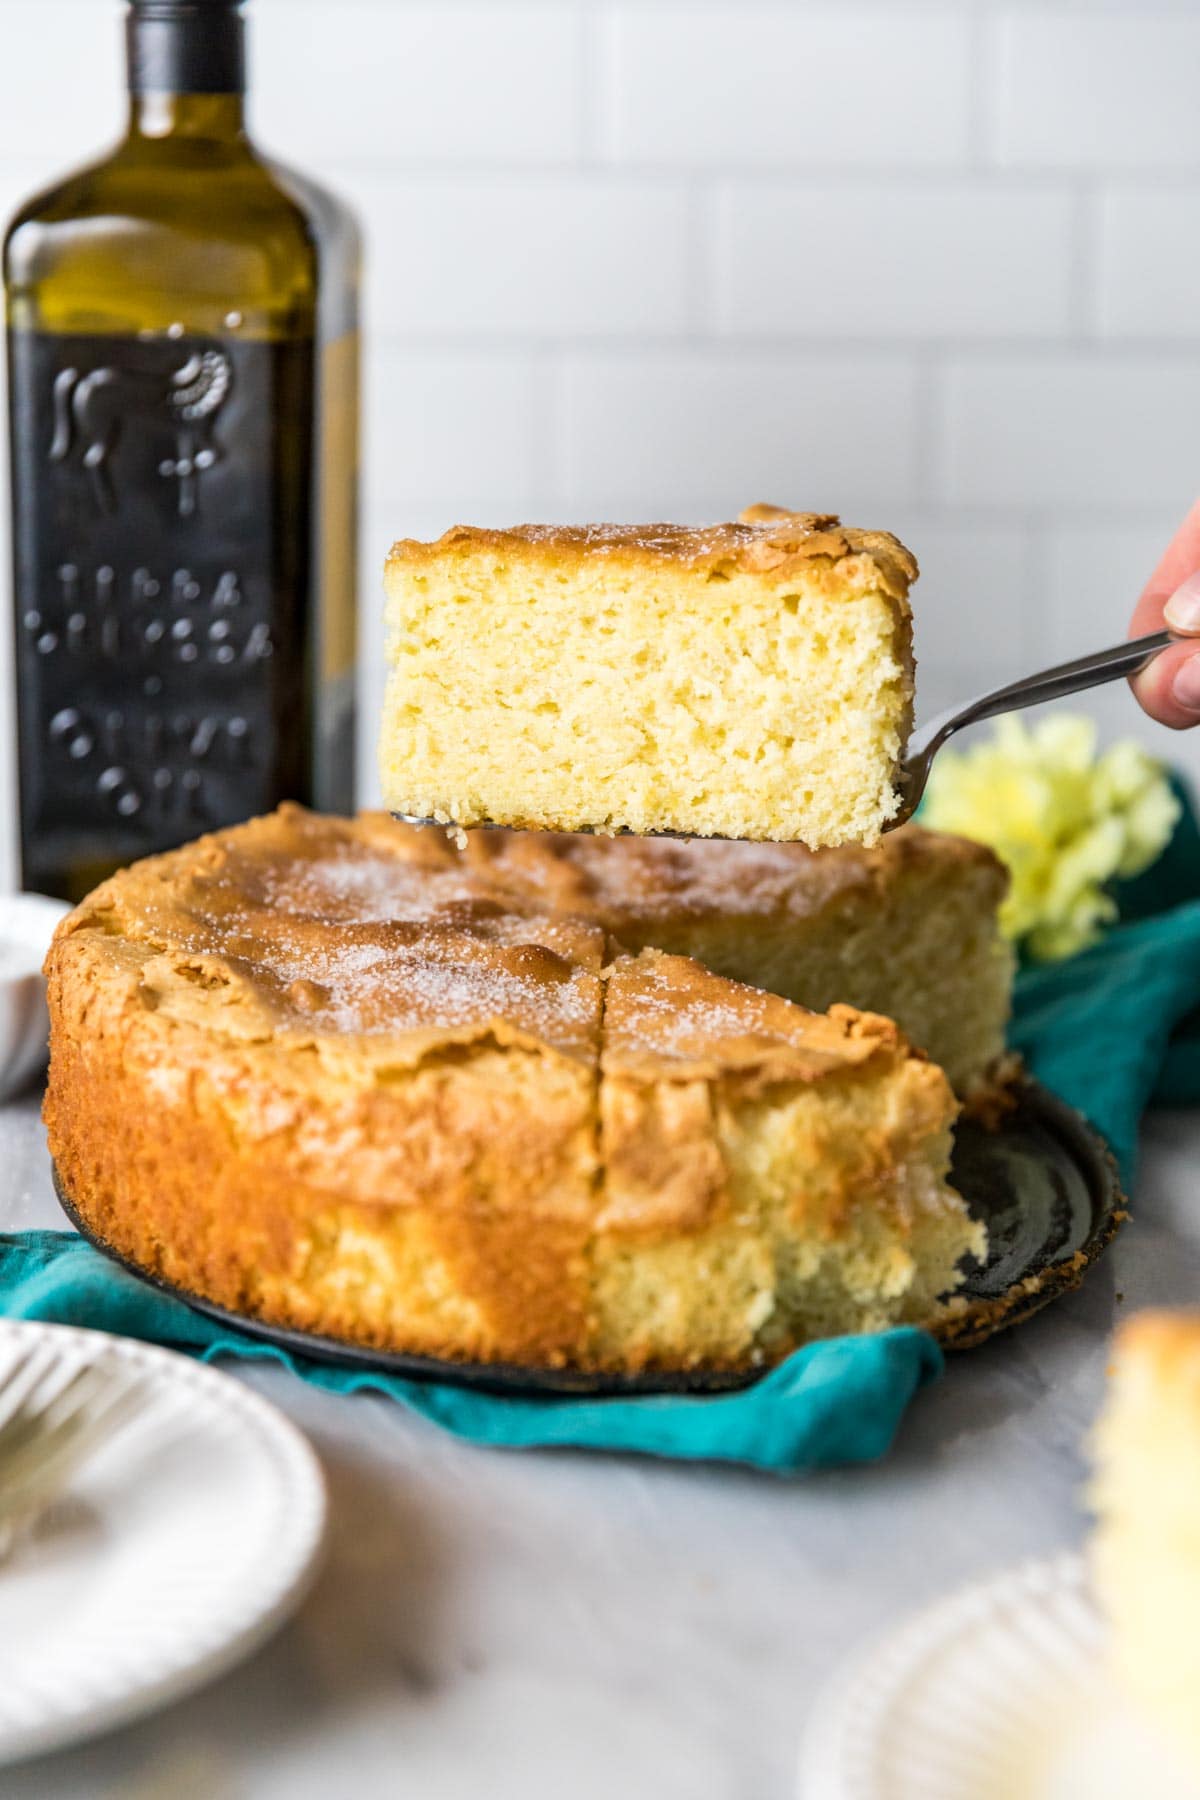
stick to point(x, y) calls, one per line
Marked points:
point(162, 588)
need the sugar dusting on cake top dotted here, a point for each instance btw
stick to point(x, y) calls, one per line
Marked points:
point(668, 1015)
point(373, 929)
point(327, 927)
point(763, 539)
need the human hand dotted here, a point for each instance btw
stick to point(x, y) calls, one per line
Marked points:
point(1169, 688)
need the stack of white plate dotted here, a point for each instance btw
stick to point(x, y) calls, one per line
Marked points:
point(1001, 1692)
point(176, 1548)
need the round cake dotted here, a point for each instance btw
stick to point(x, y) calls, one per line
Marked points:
point(339, 1076)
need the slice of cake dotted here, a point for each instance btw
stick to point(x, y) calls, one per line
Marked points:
point(339, 1076)
point(770, 1175)
point(749, 680)
point(1146, 1493)
point(908, 929)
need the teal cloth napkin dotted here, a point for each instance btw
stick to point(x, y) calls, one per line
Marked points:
point(833, 1402)
point(1098, 1029)
point(1117, 1027)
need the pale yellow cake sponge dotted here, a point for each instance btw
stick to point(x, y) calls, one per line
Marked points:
point(749, 680)
point(1146, 1492)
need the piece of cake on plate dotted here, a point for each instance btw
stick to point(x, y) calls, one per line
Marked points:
point(771, 1175)
point(1146, 1495)
point(909, 928)
point(745, 680)
point(332, 1075)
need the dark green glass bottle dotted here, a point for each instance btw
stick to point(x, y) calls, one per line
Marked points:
point(183, 396)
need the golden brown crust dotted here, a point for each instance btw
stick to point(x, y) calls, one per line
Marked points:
point(248, 1169)
point(381, 941)
point(814, 926)
point(682, 1045)
point(765, 540)
point(996, 1092)
point(721, 1029)
point(623, 883)
point(242, 1228)
point(342, 1077)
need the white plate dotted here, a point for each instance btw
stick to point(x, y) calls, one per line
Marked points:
point(176, 1550)
point(27, 923)
point(1000, 1692)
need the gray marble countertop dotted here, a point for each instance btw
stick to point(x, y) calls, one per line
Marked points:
point(538, 1626)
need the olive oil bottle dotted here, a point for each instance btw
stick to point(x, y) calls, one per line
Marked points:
point(183, 416)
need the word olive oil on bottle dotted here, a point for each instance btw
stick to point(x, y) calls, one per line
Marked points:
point(183, 382)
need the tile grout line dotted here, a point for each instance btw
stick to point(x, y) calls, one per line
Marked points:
point(590, 50)
point(981, 31)
point(1083, 289)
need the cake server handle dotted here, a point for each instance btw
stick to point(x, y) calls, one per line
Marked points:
point(1051, 684)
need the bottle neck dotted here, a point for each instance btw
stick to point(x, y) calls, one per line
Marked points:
point(220, 117)
point(187, 71)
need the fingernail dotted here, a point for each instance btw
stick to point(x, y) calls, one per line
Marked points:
point(1186, 686)
point(1182, 611)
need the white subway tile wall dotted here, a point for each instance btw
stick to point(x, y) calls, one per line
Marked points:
point(1144, 235)
point(563, 255)
point(1064, 429)
point(939, 259)
point(1094, 90)
point(685, 432)
point(929, 263)
point(775, 86)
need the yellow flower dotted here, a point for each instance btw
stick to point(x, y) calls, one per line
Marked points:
point(1066, 821)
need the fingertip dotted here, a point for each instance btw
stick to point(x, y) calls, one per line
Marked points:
point(1181, 613)
point(1169, 689)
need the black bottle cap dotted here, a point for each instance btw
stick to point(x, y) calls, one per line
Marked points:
point(185, 46)
point(181, 9)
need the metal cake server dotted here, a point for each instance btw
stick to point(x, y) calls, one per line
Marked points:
point(1050, 684)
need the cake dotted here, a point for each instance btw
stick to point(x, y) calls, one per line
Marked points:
point(1146, 1493)
point(325, 1073)
point(745, 680)
point(770, 1174)
point(908, 929)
